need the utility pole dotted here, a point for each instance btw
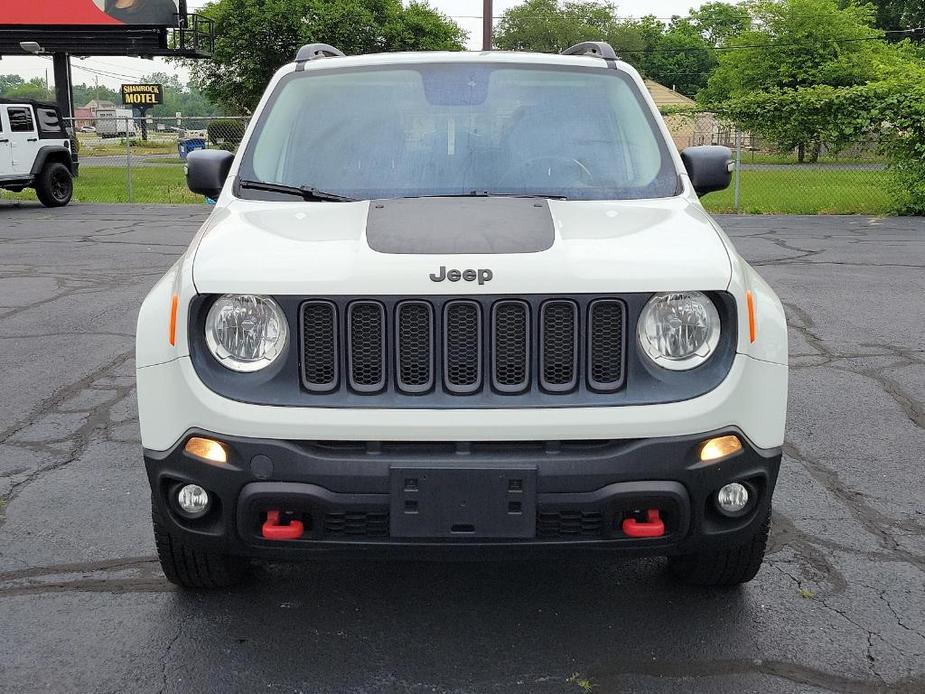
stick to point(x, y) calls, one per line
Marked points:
point(487, 14)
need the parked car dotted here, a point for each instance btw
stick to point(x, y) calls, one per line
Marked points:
point(487, 316)
point(89, 129)
point(36, 151)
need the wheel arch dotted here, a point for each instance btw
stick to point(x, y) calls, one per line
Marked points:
point(52, 154)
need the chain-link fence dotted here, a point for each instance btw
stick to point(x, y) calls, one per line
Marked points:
point(141, 160)
point(134, 160)
point(769, 180)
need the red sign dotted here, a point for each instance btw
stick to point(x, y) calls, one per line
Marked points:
point(88, 12)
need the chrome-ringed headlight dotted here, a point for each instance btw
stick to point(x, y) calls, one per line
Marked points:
point(246, 332)
point(678, 330)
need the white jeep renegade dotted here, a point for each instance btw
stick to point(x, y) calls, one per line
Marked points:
point(36, 151)
point(464, 303)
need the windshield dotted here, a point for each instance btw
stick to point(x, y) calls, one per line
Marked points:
point(460, 129)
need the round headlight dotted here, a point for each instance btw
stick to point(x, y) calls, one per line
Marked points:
point(246, 332)
point(678, 330)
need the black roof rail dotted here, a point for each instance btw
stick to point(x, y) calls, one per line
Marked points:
point(595, 49)
point(313, 51)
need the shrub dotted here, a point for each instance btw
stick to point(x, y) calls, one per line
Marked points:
point(809, 117)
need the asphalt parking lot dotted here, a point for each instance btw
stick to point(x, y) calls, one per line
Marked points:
point(838, 606)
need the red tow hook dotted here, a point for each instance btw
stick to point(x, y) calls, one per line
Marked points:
point(274, 530)
point(652, 527)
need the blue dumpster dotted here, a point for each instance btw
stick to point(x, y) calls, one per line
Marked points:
point(187, 145)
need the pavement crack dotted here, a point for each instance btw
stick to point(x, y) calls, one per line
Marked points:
point(875, 523)
point(166, 656)
point(98, 418)
point(913, 409)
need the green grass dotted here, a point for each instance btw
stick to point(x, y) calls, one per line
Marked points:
point(806, 191)
point(796, 191)
point(102, 147)
point(150, 184)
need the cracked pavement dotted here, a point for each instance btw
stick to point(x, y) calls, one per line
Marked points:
point(838, 606)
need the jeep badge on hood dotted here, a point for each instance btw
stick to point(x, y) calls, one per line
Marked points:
point(483, 275)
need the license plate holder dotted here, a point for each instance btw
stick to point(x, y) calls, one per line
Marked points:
point(461, 503)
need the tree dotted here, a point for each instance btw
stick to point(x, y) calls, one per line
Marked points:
point(719, 21)
point(255, 37)
point(893, 108)
point(551, 26)
point(679, 58)
point(897, 14)
point(676, 55)
point(85, 93)
point(785, 77)
point(798, 43)
point(15, 87)
point(8, 82)
point(187, 99)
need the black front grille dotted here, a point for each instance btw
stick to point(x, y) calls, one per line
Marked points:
point(559, 345)
point(462, 351)
point(510, 341)
point(607, 325)
point(498, 346)
point(319, 346)
point(415, 346)
point(366, 346)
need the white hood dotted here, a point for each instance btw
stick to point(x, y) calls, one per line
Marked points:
point(320, 248)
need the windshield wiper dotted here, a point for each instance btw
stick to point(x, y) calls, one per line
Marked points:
point(305, 192)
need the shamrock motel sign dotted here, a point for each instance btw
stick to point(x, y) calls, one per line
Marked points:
point(142, 96)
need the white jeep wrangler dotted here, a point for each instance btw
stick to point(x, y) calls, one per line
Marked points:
point(465, 303)
point(36, 151)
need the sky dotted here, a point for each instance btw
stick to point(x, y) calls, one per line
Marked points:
point(467, 13)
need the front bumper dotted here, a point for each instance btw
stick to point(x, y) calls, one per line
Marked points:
point(569, 494)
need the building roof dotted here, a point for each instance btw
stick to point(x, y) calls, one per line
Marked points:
point(663, 96)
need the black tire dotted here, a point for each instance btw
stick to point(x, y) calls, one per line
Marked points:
point(189, 567)
point(54, 185)
point(724, 567)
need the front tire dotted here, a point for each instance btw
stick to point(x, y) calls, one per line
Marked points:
point(723, 568)
point(189, 567)
point(54, 185)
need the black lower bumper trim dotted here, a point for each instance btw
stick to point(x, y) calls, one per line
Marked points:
point(577, 495)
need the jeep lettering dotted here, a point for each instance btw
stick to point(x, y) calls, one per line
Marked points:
point(482, 275)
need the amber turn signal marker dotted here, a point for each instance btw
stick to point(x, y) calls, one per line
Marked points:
point(720, 447)
point(172, 335)
point(207, 449)
point(752, 328)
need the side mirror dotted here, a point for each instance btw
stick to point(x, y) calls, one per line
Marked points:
point(206, 171)
point(710, 167)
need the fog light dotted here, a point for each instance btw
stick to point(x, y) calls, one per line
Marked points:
point(720, 447)
point(193, 500)
point(732, 498)
point(207, 449)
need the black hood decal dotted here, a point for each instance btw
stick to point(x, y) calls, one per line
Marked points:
point(459, 225)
